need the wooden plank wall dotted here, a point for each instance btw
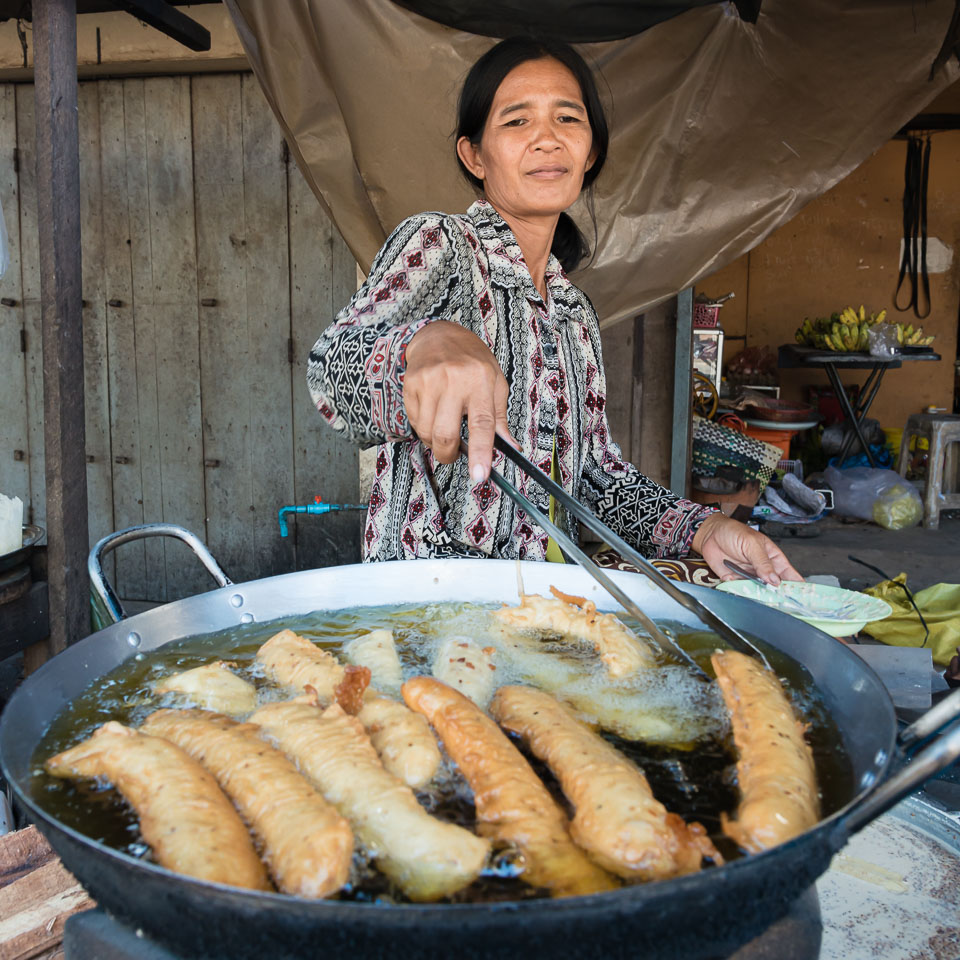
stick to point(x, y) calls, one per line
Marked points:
point(208, 271)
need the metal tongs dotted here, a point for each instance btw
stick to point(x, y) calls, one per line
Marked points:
point(736, 639)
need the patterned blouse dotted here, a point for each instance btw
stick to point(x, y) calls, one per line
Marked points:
point(469, 269)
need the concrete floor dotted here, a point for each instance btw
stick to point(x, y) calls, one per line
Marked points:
point(926, 556)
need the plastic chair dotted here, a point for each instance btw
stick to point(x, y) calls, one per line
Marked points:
point(943, 434)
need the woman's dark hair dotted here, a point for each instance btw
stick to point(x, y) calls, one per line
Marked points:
point(476, 99)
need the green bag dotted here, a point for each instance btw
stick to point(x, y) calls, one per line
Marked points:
point(940, 606)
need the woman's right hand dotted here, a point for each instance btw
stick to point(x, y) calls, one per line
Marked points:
point(451, 374)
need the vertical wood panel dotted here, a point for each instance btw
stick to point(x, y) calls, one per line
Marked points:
point(268, 328)
point(225, 351)
point(322, 280)
point(96, 388)
point(135, 129)
point(121, 339)
point(30, 276)
point(14, 441)
point(172, 310)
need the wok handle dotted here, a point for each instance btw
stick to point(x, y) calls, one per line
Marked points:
point(944, 712)
point(924, 765)
point(105, 596)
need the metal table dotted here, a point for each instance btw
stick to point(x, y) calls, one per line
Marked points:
point(792, 356)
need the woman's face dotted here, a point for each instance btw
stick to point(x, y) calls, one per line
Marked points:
point(537, 143)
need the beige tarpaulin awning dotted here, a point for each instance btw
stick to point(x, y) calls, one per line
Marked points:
point(721, 130)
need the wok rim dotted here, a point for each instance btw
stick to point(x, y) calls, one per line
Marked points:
point(628, 895)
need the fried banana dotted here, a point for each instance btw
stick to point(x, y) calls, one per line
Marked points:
point(513, 806)
point(401, 738)
point(577, 619)
point(617, 819)
point(190, 826)
point(378, 652)
point(307, 845)
point(466, 667)
point(775, 770)
point(425, 857)
point(212, 687)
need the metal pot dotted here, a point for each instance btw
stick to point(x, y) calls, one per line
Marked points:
point(708, 914)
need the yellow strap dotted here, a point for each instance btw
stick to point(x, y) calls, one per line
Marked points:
point(554, 553)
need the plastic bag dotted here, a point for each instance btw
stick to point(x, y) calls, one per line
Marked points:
point(898, 507)
point(883, 340)
point(4, 246)
point(856, 491)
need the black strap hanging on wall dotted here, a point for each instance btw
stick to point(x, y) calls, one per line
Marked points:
point(913, 262)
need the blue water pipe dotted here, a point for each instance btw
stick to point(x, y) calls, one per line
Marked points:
point(313, 508)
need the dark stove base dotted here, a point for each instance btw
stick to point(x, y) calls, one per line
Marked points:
point(93, 935)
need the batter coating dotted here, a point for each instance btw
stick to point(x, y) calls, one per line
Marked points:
point(425, 857)
point(378, 652)
point(778, 783)
point(401, 738)
point(618, 821)
point(212, 687)
point(577, 619)
point(189, 824)
point(512, 804)
point(307, 845)
point(466, 667)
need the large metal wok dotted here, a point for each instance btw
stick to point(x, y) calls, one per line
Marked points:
point(714, 911)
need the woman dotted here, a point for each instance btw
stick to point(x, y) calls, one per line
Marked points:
point(473, 316)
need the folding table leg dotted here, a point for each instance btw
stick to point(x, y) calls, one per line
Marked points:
point(848, 412)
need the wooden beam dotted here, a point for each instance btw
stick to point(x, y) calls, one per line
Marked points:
point(176, 25)
point(682, 392)
point(58, 208)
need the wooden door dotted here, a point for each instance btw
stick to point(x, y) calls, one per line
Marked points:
point(208, 271)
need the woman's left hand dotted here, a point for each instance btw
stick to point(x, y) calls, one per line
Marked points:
point(719, 538)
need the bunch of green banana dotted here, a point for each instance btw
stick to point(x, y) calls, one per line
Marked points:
point(913, 337)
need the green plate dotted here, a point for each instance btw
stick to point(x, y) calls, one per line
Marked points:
point(822, 601)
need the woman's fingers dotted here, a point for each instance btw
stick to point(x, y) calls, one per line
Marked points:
point(451, 373)
point(445, 434)
point(781, 564)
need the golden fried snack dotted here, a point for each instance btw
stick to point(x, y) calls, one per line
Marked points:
point(350, 691)
point(212, 687)
point(401, 737)
point(512, 804)
point(778, 783)
point(617, 821)
point(377, 651)
point(185, 818)
point(466, 667)
point(425, 857)
point(596, 699)
point(295, 662)
point(577, 619)
point(307, 845)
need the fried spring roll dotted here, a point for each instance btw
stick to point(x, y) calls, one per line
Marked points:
point(307, 845)
point(185, 818)
point(425, 857)
point(577, 619)
point(466, 667)
point(378, 652)
point(775, 770)
point(212, 687)
point(617, 821)
point(512, 804)
point(401, 737)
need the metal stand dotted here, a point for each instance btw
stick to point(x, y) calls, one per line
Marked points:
point(856, 414)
